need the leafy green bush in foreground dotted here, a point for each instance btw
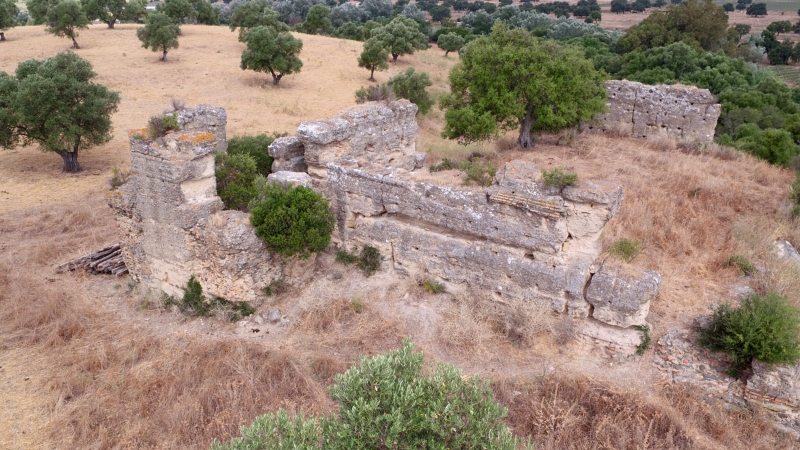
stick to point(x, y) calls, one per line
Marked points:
point(388, 402)
point(764, 327)
point(291, 220)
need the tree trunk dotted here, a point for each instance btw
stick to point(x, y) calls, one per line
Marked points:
point(372, 74)
point(446, 53)
point(525, 140)
point(111, 24)
point(276, 79)
point(75, 44)
point(164, 56)
point(70, 161)
point(2, 36)
point(394, 57)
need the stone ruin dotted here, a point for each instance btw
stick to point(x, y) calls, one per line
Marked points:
point(680, 112)
point(516, 240)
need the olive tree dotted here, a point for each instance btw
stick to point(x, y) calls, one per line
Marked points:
point(159, 33)
point(450, 42)
point(512, 80)
point(54, 104)
point(401, 36)
point(317, 21)
point(8, 16)
point(374, 57)
point(253, 14)
point(65, 19)
point(109, 11)
point(269, 50)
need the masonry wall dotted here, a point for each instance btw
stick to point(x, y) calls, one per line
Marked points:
point(516, 239)
point(674, 111)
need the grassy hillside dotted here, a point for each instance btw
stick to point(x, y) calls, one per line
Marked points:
point(87, 364)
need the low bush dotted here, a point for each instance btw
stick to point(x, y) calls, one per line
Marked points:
point(411, 85)
point(387, 401)
point(159, 126)
point(559, 179)
point(742, 264)
point(432, 286)
point(194, 303)
point(119, 177)
point(626, 249)
point(236, 174)
point(375, 93)
point(291, 220)
point(257, 147)
point(277, 287)
point(369, 261)
point(764, 327)
point(446, 164)
point(478, 169)
point(645, 343)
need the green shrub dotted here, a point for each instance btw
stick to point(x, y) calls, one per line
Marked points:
point(278, 286)
point(276, 431)
point(432, 286)
point(374, 93)
point(194, 303)
point(411, 85)
point(369, 261)
point(119, 177)
point(626, 249)
point(236, 174)
point(159, 126)
point(478, 169)
point(742, 264)
point(388, 402)
point(446, 164)
point(291, 220)
point(345, 257)
point(645, 343)
point(764, 327)
point(256, 147)
point(558, 179)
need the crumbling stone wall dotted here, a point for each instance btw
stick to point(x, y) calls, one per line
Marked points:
point(676, 111)
point(517, 239)
point(172, 224)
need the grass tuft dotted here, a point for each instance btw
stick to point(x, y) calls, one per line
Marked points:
point(625, 249)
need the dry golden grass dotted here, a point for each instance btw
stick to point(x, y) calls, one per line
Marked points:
point(578, 413)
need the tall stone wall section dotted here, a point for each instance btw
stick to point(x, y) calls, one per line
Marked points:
point(172, 224)
point(515, 240)
point(674, 111)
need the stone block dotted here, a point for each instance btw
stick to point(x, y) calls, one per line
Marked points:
point(286, 148)
point(779, 382)
point(675, 111)
point(622, 300)
point(292, 179)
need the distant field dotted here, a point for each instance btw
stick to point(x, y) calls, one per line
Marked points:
point(789, 74)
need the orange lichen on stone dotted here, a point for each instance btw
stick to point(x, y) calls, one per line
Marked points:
point(142, 131)
point(198, 138)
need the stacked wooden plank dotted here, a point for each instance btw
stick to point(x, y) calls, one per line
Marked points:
point(106, 260)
